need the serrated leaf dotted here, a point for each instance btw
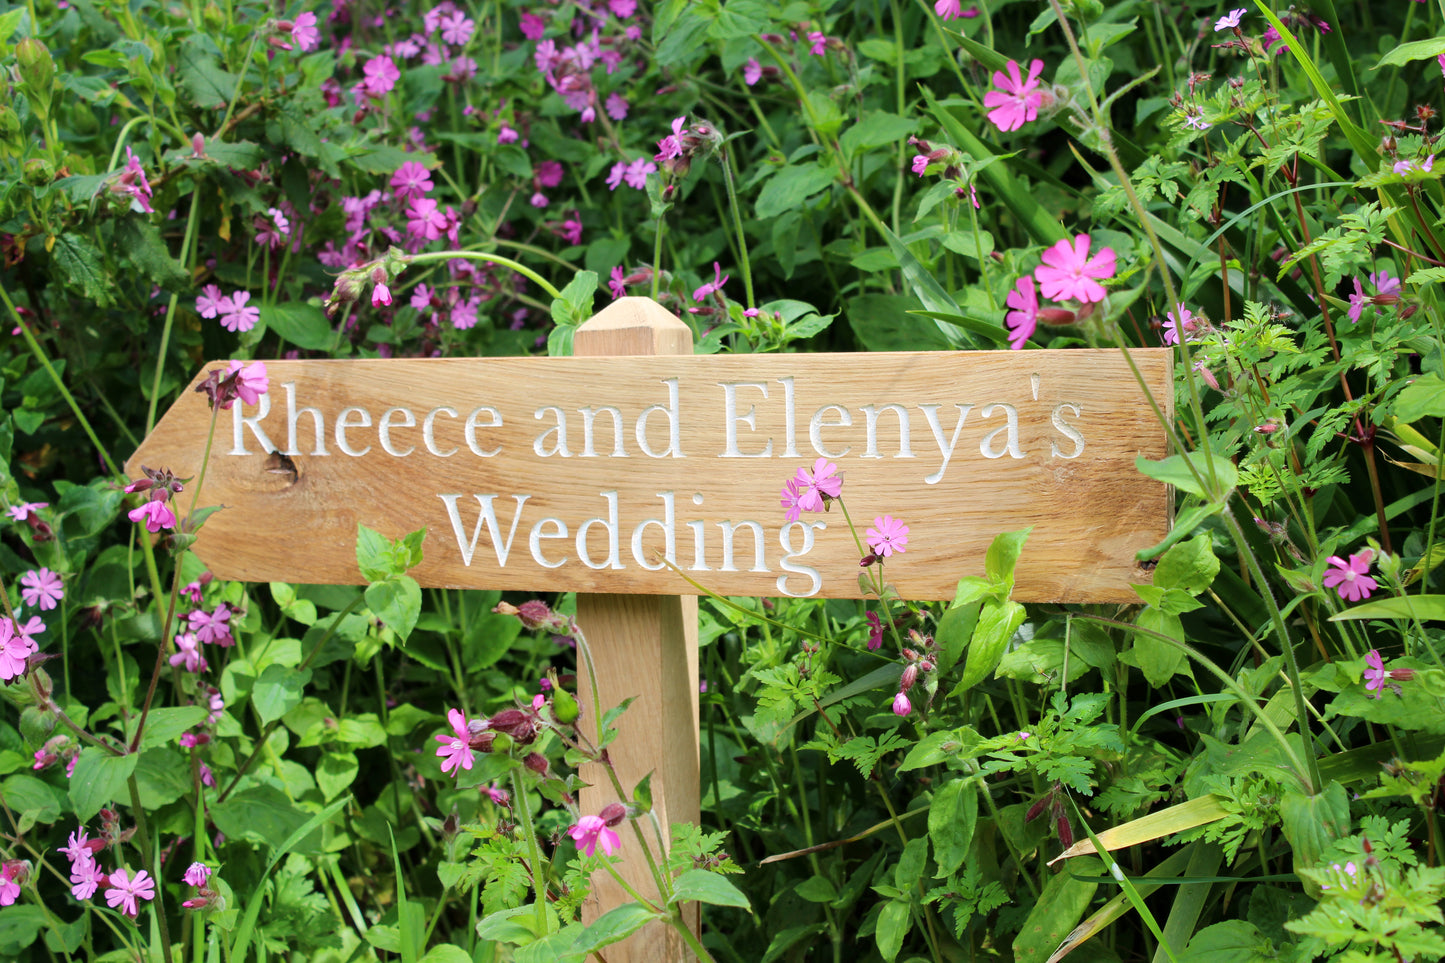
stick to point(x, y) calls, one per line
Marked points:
point(78, 262)
point(139, 240)
point(397, 602)
point(202, 76)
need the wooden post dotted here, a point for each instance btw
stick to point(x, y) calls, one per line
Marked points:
point(645, 648)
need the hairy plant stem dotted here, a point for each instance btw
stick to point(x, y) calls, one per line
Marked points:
point(507, 262)
point(529, 834)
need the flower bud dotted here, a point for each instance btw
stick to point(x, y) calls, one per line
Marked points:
point(613, 813)
point(37, 67)
point(910, 676)
point(564, 707)
point(536, 762)
point(901, 705)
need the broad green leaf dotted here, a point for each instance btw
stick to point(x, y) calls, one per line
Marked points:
point(614, 925)
point(817, 889)
point(1184, 525)
point(1158, 659)
point(876, 129)
point(790, 187)
point(1190, 566)
point(447, 953)
point(1057, 911)
point(278, 690)
point(19, 925)
point(164, 726)
point(705, 887)
point(374, 555)
point(575, 303)
point(335, 774)
point(397, 602)
point(893, 924)
point(1003, 555)
point(140, 242)
point(951, 818)
point(31, 800)
point(1423, 397)
point(927, 290)
point(99, 779)
point(78, 263)
point(162, 776)
point(1426, 608)
point(1175, 470)
point(299, 323)
point(1418, 50)
point(997, 624)
point(1313, 823)
point(1233, 941)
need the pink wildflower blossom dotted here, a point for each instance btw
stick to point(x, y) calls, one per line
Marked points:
point(210, 301)
point(123, 890)
point(1017, 100)
point(240, 317)
point(272, 228)
point(901, 705)
point(1069, 272)
point(457, 28)
point(303, 31)
point(251, 382)
point(15, 650)
point(1375, 673)
point(508, 135)
point(381, 75)
point(411, 179)
point(875, 631)
point(1023, 320)
point(213, 627)
point(10, 872)
point(424, 221)
point(86, 877)
point(616, 106)
point(889, 537)
point(1184, 323)
point(591, 832)
point(549, 173)
point(1357, 303)
point(819, 43)
point(1230, 21)
point(950, 9)
point(792, 499)
point(21, 512)
point(752, 71)
point(43, 588)
point(712, 287)
point(197, 874)
point(188, 654)
point(636, 174)
point(823, 480)
point(614, 282)
point(533, 26)
point(1351, 578)
point(455, 749)
point(155, 514)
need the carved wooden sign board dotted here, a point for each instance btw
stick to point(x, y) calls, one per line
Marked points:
point(581, 474)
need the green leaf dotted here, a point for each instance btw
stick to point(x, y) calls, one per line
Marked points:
point(1190, 566)
point(817, 889)
point(164, 726)
point(373, 554)
point(19, 925)
point(923, 286)
point(614, 925)
point(739, 19)
point(201, 75)
point(704, 887)
point(1057, 911)
point(876, 129)
point(140, 242)
point(1313, 823)
point(1233, 941)
point(1425, 396)
point(997, 624)
point(1418, 50)
point(791, 187)
point(397, 602)
point(894, 922)
point(448, 953)
point(1426, 608)
point(32, 800)
point(1003, 556)
point(1175, 470)
point(278, 690)
point(99, 779)
point(952, 816)
point(300, 323)
point(78, 263)
point(574, 303)
point(262, 814)
point(1158, 659)
point(162, 776)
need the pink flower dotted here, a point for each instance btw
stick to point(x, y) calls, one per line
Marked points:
point(457, 28)
point(424, 221)
point(1017, 100)
point(1351, 579)
point(42, 587)
point(272, 229)
point(213, 627)
point(819, 43)
point(549, 173)
point(533, 26)
point(1375, 674)
point(197, 874)
point(508, 135)
point(411, 179)
point(671, 145)
point(792, 499)
point(614, 282)
point(616, 106)
point(1357, 302)
point(1023, 320)
point(1384, 284)
point(1069, 272)
point(1229, 21)
point(187, 654)
point(901, 705)
point(15, 650)
point(251, 382)
point(380, 295)
point(9, 887)
point(239, 317)
point(1441, 61)
point(210, 302)
point(86, 876)
point(155, 515)
point(456, 750)
point(875, 631)
point(590, 832)
point(123, 890)
point(814, 485)
point(381, 75)
point(952, 10)
point(920, 164)
point(1185, 323)
point(752, 71)
point(889, 537)
point(132, 181)
point(1272, 37)
point(303, 30)
point(21, 512)
point(636, 174)
point(712, 287)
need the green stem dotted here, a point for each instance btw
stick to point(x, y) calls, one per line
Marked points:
point(187, 245)
point(529, 833)
point(727, 166)
point(517, 266)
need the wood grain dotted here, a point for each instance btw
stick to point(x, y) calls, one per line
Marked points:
point(1090, 513)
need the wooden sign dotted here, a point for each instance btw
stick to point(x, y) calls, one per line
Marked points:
point(581, 474)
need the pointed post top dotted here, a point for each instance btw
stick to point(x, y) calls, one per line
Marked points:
point(632, 326)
